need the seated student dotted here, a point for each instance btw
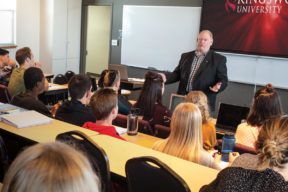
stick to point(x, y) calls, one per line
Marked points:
point(267, 171)
point(34, 82)
point(50, 167)
point(25, 58)
point(104, 106)
point(185, 139)
point(77, 111)
point(208, 126)
point(6, 66)
point(266, 105)
point(111, 79)
point(150, 100)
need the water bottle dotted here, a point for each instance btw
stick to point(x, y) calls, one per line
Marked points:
point(228, 144)
point(132, 122)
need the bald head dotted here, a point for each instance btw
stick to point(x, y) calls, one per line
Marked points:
point(204, 41)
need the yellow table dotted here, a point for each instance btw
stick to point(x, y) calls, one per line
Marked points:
point(119, 152)
point(45, 133)
point(141, 139)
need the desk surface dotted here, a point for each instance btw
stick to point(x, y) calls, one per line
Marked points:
point(119, 152)
point(141, 139)
point(45, 133)
point(55, 87)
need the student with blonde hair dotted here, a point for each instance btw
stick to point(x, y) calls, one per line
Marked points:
point(50, 167)
point(208, 126)
point(185, 139)
point(267, 171)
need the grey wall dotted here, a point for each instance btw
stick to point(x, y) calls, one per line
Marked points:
point(236, 93)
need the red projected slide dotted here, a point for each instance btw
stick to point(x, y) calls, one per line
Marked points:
point(258, 27)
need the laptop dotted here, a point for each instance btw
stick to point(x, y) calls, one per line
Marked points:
point(121, 68)
point(175, 99)
point(229, 117)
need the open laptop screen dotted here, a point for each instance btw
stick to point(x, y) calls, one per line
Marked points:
point(230, 116)
point(175, 99)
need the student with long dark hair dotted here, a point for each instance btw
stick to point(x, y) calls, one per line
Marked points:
point(150, 100)
point(266, 105)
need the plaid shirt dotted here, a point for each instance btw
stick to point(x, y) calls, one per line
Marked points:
point(194, 67)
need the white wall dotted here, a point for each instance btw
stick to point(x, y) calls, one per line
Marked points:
point(42, 26)
point(66, 36)
point(46, 34)
point(27, 26)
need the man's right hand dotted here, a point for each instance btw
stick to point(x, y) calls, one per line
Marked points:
point(163, 77)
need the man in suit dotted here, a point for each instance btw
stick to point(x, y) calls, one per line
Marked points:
point(202, 69)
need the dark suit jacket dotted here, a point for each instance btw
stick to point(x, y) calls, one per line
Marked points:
point(212, 70)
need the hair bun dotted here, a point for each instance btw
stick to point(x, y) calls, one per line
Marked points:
point(152, 76)
point(269, 88)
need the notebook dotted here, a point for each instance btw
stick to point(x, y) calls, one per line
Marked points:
point(229, 117)
point(175, 99)
point(8, 109)
point(120, 130)
point(25, 119)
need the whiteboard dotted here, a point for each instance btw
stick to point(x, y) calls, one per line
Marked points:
point(257, 70)
point(156, 36)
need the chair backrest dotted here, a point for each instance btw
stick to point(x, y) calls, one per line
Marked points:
point(93, 152)
point(4, 159)
point(143, 126)
point(244, 149)
point(162, 131)
point(238, 148)
point(150, 174)
point(4, 94)
point(69, 74)
point(10, 146)
point(120, 121)
point(60, 79)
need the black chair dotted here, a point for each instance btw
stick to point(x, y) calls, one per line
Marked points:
point(10, 146)
point(238, 148)
point(143, 126)
point(150, 174)
point(4, 94)
point(69, 74)
point(4, 159)
point(60, 79)
point(93, 152)
point(162, 131)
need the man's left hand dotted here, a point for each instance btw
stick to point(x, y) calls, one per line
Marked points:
point(216, 87)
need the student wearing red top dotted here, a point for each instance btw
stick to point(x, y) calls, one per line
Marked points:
point(104, 106)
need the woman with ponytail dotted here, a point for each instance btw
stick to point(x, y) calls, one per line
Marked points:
point(266, 105)
point(111, 79)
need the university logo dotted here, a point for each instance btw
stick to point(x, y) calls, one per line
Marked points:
point(255, 6)
point(230, 6)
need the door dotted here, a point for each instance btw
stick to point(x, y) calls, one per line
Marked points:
point(98, 38)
